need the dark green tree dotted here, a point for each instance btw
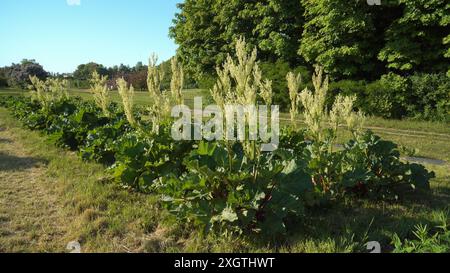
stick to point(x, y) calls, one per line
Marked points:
point(419, 39)
point(206, 29)
point(198, 35)
point(84, 71)
point(18, 75)
point(340, 35)
point(3, 77)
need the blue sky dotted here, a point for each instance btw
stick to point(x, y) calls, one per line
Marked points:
point(60, 34)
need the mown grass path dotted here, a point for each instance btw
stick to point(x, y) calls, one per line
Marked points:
point(50, 197)
point(30, 215)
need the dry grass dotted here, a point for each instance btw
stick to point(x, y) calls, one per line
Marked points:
point(30, 214)
point(49, 197)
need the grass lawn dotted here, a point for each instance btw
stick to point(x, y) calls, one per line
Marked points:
point(73, 200)
point(142, 97)
point(101, 216)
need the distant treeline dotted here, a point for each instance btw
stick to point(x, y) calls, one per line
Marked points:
point(137, 75)
point(17, 75)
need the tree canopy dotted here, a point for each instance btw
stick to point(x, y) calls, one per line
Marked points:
point(18, 75)
point(84, 71)
point(349, 38)
point(205, 31)
point(419, 39)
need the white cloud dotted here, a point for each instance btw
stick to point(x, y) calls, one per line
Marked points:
point(73, 2)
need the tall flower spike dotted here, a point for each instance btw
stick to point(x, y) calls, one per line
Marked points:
point(58, 89)
point(266, 92)
point(49, 91)
point(314, 104)
point(294, 83)
point(243, 72)
point(355, 122)
point(154, 77)
point(127, 95)
point(240, 83)
point(161, 101)
point(222, 91)
point(99, 89)
point(39, 88)
point(177, 82)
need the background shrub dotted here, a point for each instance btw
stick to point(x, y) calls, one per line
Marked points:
point(419, 96)
point(388, 97)
point(430, 96)
point(3, 82)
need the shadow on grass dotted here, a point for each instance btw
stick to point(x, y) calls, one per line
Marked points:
point(14, 163)
point(346, 225)
point(351, 224)
point(5, 140)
